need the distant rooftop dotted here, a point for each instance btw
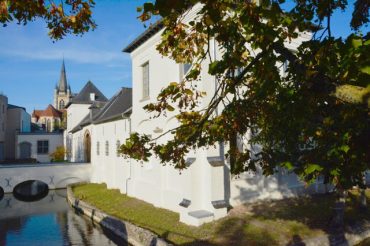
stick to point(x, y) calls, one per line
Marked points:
point(84, 96)
point(117, 107)
point(11, 106)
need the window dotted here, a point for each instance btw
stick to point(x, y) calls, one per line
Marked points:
point(285, 67)
point(185, 68)
point(118, 144)
point(42, 147)
point(145, 68)
point(61, 104)
point(106, 148)
point(97, 148)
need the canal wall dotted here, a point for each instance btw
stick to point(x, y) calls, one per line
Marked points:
point(56, 176)
point(131, 233)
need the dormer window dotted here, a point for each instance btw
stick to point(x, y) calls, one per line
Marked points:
point(92, 97)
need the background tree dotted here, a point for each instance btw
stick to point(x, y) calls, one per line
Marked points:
point(62, 18)
point(322, 102)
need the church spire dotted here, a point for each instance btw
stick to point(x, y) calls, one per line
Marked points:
point(62, 86)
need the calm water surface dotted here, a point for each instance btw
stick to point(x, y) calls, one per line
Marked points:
point(48, 222)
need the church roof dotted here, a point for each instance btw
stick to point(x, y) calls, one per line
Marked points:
point(62, 85)
point(50, 111)
point(37, 113)
point(84, 96)
point(116, 108)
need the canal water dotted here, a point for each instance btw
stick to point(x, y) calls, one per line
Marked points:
point(49, 221)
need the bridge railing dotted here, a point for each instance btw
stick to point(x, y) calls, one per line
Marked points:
point(43, 164)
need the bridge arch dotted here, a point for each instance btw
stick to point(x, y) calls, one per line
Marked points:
point(87, 146)
point(30, 190)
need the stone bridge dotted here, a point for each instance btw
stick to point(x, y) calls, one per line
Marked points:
point(54, 175)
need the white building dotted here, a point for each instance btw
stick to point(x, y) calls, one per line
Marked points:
point(79, 111)
point(203, 191)
point(37, 145)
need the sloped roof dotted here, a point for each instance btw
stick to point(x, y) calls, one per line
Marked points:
point(84, 96)
point(50, 111)
point(12, 106)
point(118, 106)
point(142, 38)
point(37, 113)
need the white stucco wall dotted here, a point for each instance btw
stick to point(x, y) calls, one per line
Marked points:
point(55, 140)
point(201, 183)
point(75, 113)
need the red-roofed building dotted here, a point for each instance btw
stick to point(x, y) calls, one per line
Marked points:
point(49, 119)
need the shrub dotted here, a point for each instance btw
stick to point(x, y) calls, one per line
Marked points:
point(59, 154)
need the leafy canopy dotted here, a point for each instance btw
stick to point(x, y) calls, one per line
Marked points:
point(313, 119)
point(66, 17)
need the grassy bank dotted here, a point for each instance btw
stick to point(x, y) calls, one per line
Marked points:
point(264, 223)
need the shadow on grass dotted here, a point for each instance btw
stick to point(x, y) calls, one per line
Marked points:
point(237, 231)
point(316, 212)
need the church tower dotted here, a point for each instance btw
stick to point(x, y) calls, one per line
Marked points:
point(62, 91)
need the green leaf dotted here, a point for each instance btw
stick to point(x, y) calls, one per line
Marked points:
point(365, 70)
point(344, 148)
point(288, 165)
point(170, 108)
point(313, 168)
point(188, 92)
point(334, 172)
point(356, 43)
point(213, 67)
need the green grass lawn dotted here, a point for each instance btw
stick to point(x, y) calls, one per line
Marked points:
point(263, 223)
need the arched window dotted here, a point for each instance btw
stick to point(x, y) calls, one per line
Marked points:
point(106, 148)
point(118, 144)
point(97, 148)
point(61, 104)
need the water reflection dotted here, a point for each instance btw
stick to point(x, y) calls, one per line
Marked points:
point(49, 221)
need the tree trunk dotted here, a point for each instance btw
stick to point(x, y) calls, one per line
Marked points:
point(338, 219)
point(363, 201)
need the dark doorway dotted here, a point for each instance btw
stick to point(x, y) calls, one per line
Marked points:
point(2, 152)
point(25, 150)
point(87, 147)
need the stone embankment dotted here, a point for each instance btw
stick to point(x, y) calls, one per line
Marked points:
point(133, 234)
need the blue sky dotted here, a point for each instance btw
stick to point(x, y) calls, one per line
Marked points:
point(30, 62)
